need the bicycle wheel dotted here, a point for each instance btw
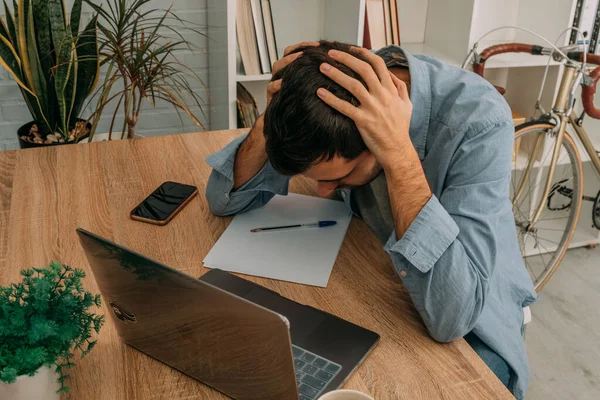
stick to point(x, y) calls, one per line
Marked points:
point(544, 244)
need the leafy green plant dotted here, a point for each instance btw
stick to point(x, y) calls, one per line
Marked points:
point(139, 46)
point(43, 319)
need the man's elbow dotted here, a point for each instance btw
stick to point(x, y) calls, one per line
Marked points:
point(217, 205)
point(452, 326)
point(219, 211)
point(442, 335)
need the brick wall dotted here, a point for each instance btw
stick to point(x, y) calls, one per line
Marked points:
point(162, 120)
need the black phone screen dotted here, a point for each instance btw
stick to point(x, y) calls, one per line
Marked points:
point(164, 201)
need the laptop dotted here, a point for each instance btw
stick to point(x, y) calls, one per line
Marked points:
point(238, 337)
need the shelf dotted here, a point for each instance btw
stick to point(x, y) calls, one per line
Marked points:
point(253, 78)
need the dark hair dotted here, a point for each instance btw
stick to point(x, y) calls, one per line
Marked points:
point(301, 129)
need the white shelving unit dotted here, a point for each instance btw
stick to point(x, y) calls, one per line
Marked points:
point(439, 28)
point(294, 21)
point(253, 78)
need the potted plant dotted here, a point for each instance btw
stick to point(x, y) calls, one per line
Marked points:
point(55, 66)
point(138, 43)
point(43, 320)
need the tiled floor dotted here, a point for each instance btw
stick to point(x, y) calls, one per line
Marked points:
point(563, 340)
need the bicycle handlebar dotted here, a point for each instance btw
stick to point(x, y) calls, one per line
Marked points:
point(589, 89)
point(479, 65)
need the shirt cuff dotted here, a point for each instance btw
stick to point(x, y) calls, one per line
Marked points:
point(266, 179)
point(427, 238)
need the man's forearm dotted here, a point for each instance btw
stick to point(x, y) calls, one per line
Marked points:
point(408, 189)
point(251, 156)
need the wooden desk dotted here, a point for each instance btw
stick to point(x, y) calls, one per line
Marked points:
point(46, 193)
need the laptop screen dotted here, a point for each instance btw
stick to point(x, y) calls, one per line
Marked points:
point(233, 345)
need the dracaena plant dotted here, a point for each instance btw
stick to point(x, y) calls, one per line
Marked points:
point(138, 44)
point(54, 63)
point(43, 320)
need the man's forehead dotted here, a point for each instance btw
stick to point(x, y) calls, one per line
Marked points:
point(331, 170)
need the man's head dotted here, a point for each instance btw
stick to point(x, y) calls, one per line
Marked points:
point(306, 136)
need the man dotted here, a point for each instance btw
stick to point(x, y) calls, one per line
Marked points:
point(421, 151)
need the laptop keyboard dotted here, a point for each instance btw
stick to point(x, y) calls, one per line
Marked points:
point(313, 373)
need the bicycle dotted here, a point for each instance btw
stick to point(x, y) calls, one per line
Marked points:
point(547, 179)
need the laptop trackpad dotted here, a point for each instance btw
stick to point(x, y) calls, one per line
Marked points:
point(303, 319)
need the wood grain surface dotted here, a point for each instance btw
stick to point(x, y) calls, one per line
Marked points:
point(45, 194)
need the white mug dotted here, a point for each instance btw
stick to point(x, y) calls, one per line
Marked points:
point(345, 394)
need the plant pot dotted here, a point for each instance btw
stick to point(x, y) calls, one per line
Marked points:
point(24, 131)
point(103, 137)
point(41, 386)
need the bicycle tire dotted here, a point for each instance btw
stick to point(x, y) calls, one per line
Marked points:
point(543, 127)
point(596, 212)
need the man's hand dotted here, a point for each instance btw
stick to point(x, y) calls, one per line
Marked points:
point(252, 155)
point(383, 117)
point(288, 57)
point(383, 120)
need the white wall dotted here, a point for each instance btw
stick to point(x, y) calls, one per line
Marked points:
point(162, 120)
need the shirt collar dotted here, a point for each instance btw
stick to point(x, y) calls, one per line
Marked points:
point(420, 96)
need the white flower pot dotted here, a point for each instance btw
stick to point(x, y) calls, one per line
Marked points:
point(41, 386)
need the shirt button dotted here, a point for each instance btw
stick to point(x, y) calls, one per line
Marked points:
point(344, 195)
point(226, 195)
point(403, 273)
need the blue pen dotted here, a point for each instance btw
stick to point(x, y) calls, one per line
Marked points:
point(320, 224)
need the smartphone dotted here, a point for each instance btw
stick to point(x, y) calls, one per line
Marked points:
point(164, 203)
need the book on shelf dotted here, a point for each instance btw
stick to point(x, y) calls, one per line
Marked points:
point(247, 111)
point(376, 23)
point(395, 22)
point(381, 26)
point(247, 38)
point(366, 34)
point(387, 21)
point(256, 36)
point(269, 31)
point(259, 30)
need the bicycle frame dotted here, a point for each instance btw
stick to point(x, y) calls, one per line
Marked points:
point(563, 111)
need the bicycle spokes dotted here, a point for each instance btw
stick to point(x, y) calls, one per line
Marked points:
point(546, 200)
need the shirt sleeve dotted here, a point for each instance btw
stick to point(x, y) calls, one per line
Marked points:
point(255, 193)
point(449, 252)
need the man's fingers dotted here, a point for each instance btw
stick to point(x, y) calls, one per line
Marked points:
point(350, 84)
point(401, 86)
point(378, 65)
point(284, 62)
point(341, 105)
point(292, 48)
point(362, 68)
point(272, 88)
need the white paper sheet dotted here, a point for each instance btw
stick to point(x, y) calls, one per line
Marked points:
point(304, 255)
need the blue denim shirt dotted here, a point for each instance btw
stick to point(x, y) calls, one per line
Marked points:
point(459, 259)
